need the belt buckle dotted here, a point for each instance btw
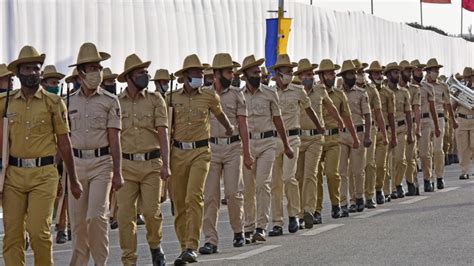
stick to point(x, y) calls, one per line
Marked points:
point(139, 157)
point(87, 154)
point(28, 163)
point(305, 133)
point(221, 141)
point(187, 145)
point(256, 135)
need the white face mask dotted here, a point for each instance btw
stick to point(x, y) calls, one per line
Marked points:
point(378, 81)
point(434, 75)
point(93, 80)
point(360, 78)
point(285, 79)
point(165, 87)
point(196, 83)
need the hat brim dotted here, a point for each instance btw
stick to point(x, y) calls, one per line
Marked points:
point(35, 59)
point(107, 77)
point(374, 70)
point(392, 68)
point(161, 78)
point(6, 74)
point(362, 66)
point(429, 67)
point(292, 65)
point(70, 78)
point(102, 57)
point(121, 77)
point(336, 67)
point(180, 72)
point(54, 75)
point(258, 62)
point(313, 67)
point(234, 65)
point(342, 72)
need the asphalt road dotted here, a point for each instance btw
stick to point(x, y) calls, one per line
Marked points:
point(431, 229)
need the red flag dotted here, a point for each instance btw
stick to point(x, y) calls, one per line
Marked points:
point(437, 1)
point(468, 5)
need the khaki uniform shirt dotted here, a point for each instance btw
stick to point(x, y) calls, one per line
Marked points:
point(441, 96)
point(426, 96)
point(359, 104)
point(140, 119)
point(402, 103)
point(33, 123)
point(387, 100)
point(262, 107)
point(339, 99)
point(318, 96)
point(192, 114)
point(233, 104)
point(293, 101)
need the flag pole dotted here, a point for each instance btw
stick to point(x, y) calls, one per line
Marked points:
point(281, 10)
point(421, 11)
point(372, 6)
point(462, 13)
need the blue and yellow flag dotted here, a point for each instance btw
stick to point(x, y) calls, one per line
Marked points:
point(276, 40)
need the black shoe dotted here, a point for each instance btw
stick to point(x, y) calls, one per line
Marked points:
point(400, 192)
point(259, 235)
point(293, 225)
point(440, 183)
point(411, 189)
point(433, 186)
point(336, 212)
point(69, 235)
point(224, 201)
point(308, 220)
point(464, 177)
point(344, 211)
point(352, 208)
point(187, 256)
point(238, 240)
point(370, 204)
point(388, 198)
point(249, 238)
point(428, 187)
point(417, 191)
point(113, 225)
point(380, 197)
point(207, 249)
point(446, 160)
point(394, 195)
point(276, 231)
point(301, 223)
point(455, 158)
point(158, 257)
point(318, 219)
point(61, 237)
point(360, 205)
point(140, 220)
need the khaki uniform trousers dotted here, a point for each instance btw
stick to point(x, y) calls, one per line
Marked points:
point(189, 169)
point(437, 153)
point(226, 161)
point(399, 162)
point(284, 182)
point(307, 169)
point(411, 154)
point(329, 165)
point(142, 184)
point(28, 202)
point(465, 143)
point(257, 196)
point(381, 162)
point(370, 168)
point(352, 169)
point(89, 219)
point(448, 141)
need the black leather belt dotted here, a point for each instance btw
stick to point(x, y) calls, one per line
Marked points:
point(142, 156)
point(225, 140)
point(263, 135)
point(401, 123)
point(30, 163)
point(191, 145)
point(309, 132)
point(292, 132)
point(466, 116)
point(88, 154)
point(425, 115)
point(440, 115)
point(333, 131)
point(360, 128)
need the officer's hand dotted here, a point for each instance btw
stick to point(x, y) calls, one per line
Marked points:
point(455, 124)
point(341, 126)
point(418, 133)
point(248, 161)
point(165, 173)
point(229, 131)
point(59, 193)
point(321, 130)
point(393, 143)
point(410, 138)
point(437, 132)
point(76, 188)
point(289, 152)
point(385, 140)
point(355, 143)
point(117, 182)
point(367, 142)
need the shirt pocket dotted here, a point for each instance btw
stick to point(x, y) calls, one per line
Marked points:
point(145, 120)
point(98, 120)
point(261, 109)
point(74, 120)
point(230, 109)
point(40, 124)
point(199, 114)
point(126, 121)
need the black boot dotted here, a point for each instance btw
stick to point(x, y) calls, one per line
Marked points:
point(238, 240)
point(455, 158)
point(249, 238)
point(69, 235)
point(308, 220)
point(336, 212)
point(428, 187)
point(293, 225)
point(370, 204)
point(400, 192)
point(140, 220)
point(276, 231)
point(208, 248)
point(464, 177)
point(360, 206)
point(352, 208)
point(61, 237)
point(379, 197)
point(158, 257)
point(394, 195)
point(301, 223)
point(187, 256)
point(318, 219)
point(440, 183)
point(344, 211)
point(411, 189)
point(259, 235)
point(388, 198)
point(417, 191)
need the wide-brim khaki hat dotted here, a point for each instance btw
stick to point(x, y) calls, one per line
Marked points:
point(250, 62)
point(50, 72)
point(327, 65)
point(108, 74)
point(359, 65)
point(467, 72)
point(416, 64)
point(405, 65)
point(132, 62)
point(28, 54)
point(283, 60)
point(391, 66)
point(223, 61)
point(4, 72)
point(305, 65)
point(191, 61)
point(375, 66)
point(74, 75)
point(162, 74)
point(347, 65)
point(88, 54)
point(432, 63)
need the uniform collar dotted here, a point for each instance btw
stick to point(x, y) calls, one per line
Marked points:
point(125, 93)
point(199, 90)
point(38, 94)
point(258, 89)
point(223, 91)
point(98, 91)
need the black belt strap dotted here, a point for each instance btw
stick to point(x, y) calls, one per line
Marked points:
point(425, 115)
point(42, 161)
point(197, 144)
point(440, 115)
point(264, 135)
point(292, 132)
point(229, 140)
point(401, 123)
point(148, 156)
point(333, 131)
point(97, 152)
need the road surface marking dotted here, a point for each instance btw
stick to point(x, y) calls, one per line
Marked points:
point(372, 213)
point(447, 189)
point(321, 229)
point(413, 200)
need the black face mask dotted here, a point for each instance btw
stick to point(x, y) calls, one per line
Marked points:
point(405, 78)
point(111, 88)
point(393, 79)
point(208, 82)
point(29, 81)
point(329, 83)
point(141, 82)
point(350, 82)
point(236, 82)
point(417, 79)
point(225, 82)
point(254, 81)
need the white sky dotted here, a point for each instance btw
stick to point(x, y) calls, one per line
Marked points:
point(444, 16)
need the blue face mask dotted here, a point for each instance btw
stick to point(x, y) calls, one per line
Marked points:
point(53, 90)
point(196, 82)
point(77, 85)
